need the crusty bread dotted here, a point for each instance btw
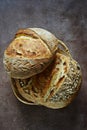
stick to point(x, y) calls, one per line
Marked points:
point(55, 87)
point(29, 54)
point(48, 38)
point(41, 69)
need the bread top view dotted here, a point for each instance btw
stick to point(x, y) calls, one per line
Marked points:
point(48, 76)
point(55, 87)
point(30, 52)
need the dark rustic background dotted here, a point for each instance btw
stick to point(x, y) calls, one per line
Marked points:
point(67, 19)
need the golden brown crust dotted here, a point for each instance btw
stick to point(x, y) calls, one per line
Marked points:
point(56, 87)
point(28, 46)
point(26, 55)
point(50, 40)
point(27, 32)
point(42, 73)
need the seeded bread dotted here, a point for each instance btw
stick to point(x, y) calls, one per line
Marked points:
point(30, 52)
point(55, 87)
point(41, 69)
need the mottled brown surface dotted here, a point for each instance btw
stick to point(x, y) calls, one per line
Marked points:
point(67, 19)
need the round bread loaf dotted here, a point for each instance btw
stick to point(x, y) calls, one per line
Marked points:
point(30, 52)
point(41, 69)
point(55, 87)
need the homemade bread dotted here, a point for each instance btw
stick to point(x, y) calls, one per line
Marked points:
point(41, 69)
point(55, 87)
point(29, 54)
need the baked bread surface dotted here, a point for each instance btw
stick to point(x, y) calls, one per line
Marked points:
point(55, 87)
point(28, 54)
point(41, 69)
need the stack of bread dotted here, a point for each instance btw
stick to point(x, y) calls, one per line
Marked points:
point(41, 69)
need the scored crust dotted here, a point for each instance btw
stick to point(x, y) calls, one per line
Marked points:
point(55, 87)
point(42, 73)
point(48, 38)
point(27, 54)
